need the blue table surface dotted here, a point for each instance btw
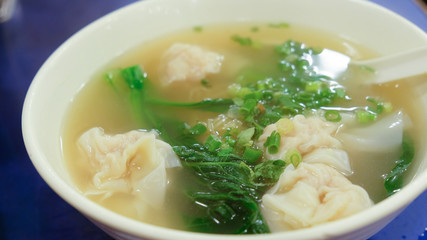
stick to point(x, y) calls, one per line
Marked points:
point(29, 209)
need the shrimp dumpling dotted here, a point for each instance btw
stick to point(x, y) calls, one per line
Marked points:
point(304, 134)
point(188, 63)
point(311, 194)
point(134, 162)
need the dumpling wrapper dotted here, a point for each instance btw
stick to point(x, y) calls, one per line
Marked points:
point(189, 63)
point(308, 134)
point(335, 158)
point(134, 162)
point(311, 194)
point(384, 135)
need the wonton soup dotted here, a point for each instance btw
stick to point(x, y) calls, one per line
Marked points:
point(230, 129)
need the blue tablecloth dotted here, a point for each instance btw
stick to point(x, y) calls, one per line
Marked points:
point(29, 209)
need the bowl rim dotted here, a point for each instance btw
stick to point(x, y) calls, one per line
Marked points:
point(102, 215)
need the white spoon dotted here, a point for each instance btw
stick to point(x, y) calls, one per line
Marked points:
point(386, 69)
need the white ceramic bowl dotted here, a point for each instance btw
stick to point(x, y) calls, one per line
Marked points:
point(69, 67)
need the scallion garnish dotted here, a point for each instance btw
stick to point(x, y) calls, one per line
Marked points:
point(273, 142)
point(293, 157)
point(332, 115)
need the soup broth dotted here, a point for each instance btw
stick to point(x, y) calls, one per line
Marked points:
point(98, 105)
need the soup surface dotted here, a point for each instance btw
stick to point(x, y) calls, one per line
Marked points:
point(249, 60)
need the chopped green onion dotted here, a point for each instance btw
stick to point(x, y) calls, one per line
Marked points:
point(248, 106)
point(332, 116)
point(242, 40)
point(273, 143)
point(213, 143)
point(205, 82)
point(293, 157)
point(246, 41)
point(340, 93)
point(251, 155)
point(313, 86)
point(367, 68)
point(284, 126)
point(254, 29)
point(198, 28)
point(388, 107)
point(198, 129)
point(363, 116)
point(245, 136)
point(279, 25)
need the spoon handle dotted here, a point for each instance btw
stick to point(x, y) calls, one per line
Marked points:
point(401, 65)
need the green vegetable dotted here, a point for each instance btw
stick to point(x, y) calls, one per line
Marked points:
point(273, 143)
point(211, 105)
point(254, 29)
point(268, 173)
point(368, 68)
point(198, 28)
point(226, 193)
point(364, 116)
point(137, 82)
point(251, 155)
point(293, 157)
point(205, 82)
point(279, 25)
point(241, 40)
point(244, 139)
point(332, 115)
point(246, 41)
point(198, 129)
point(394, 180)
point(213, 143)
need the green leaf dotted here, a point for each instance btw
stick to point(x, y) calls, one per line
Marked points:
point(268, 173)
point(212, 105)
point(244, 138)
point(394, 180)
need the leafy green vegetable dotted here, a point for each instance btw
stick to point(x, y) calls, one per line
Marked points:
point(267, 173)
point(394, 180)
point(228, 191)
point(211, 105)
point(137, 82)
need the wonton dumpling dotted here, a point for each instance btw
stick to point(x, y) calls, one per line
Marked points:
point(307, 135)
point(186, 62)
point(335, 158)
point(311, 194)
point(133, 163)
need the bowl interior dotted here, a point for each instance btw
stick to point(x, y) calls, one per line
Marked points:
point(73, 64)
